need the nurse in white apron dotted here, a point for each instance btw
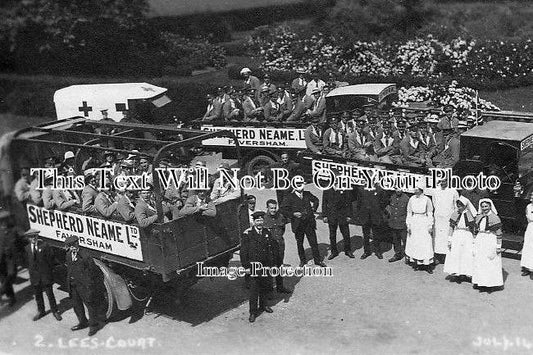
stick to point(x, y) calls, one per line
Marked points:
point(488, 271)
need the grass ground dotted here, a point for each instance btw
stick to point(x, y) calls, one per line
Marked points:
point(518, 99)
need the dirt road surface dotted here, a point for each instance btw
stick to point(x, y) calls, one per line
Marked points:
point(366, 307)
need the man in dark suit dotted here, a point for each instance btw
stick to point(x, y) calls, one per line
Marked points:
point(291, 167)
point(337, 211)
point(85, 285)
point(370, 207)
point(256, 246)
point(300, 206)
point(40, 265)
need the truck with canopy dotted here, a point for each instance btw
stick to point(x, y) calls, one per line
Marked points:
point(135, 260)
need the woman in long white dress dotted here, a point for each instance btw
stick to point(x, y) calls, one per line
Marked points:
point(419, 244)
point(460, 260)
point(527, 251)
point(487, 247)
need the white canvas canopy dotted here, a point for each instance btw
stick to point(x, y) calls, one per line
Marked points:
point(88, 100)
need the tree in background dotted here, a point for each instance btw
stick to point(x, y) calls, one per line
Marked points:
point(74, 35)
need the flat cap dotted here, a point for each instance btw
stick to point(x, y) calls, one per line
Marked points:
point(71, 240)
point(258, 214)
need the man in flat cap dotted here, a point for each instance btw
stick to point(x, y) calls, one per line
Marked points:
point(8, 266)
point(40, 267)
point(85, 285)
point(256, 246)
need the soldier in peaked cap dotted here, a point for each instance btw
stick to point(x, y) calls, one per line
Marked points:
point(85, 285)
point(256, 247)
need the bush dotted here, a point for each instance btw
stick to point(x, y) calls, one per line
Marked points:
point(482, 63)
point(198, 53)
point(88, 37)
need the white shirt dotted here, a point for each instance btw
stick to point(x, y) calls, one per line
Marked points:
point(444, 201)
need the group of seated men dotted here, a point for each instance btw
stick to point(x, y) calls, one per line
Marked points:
point(386, 138)
point(256, 101)
point(124, 204)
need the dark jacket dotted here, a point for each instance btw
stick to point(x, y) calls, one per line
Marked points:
point(256, 247)
point(40, 264)
point(397, 211)
point(337, 205)
point(371, 205)
point(85, 276)
point(306, 205)
point(275, 225)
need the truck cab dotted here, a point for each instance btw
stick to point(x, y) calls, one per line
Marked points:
point(355, 97)
point(504, 149)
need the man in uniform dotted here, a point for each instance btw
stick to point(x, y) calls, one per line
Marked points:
point(125, 207)
point(387, 147)
point(252, 111)
point(106, 205)
point(268, 84)
point(410, 150)
point(231, 110)
point(88, 194)
point(275, 223)
point(370, 205)
point(397, 215)
point(318, 110)
point(450, 155)
point(299, 83)
point(145, 212)
point(271, 109)
point(301, 105)
point(8, 266)
point(85, 284)
point(214, 109)
point(300, 206)
point(357, 143)
point(337, 212)
point(334, 140)
point(40, 267)
point(250, 80)
point(284, 101)
point(313, 137)
point(199, 204)
point(256, 246)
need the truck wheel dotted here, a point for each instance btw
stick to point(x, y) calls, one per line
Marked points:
point(109, 300)
point(259, 163)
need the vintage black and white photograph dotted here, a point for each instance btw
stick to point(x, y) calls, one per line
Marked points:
point(266, 177)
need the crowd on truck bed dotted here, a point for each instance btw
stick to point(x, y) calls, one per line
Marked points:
point(373, 134)
point(125, 204)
